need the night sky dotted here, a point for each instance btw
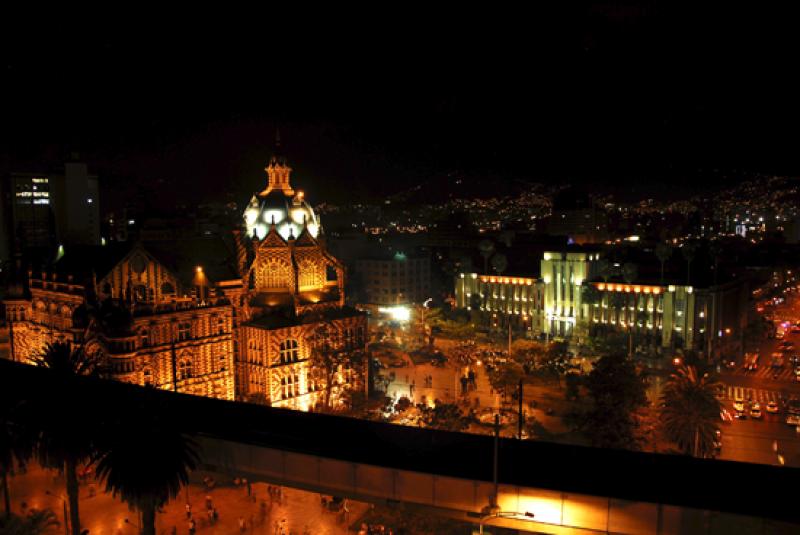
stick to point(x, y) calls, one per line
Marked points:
point(616, 96)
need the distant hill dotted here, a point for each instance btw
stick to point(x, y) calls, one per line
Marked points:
point(460, 185)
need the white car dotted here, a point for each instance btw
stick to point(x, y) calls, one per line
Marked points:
point(755, 411)
point(772, 407)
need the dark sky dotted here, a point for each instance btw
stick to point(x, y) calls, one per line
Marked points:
point(615, 95)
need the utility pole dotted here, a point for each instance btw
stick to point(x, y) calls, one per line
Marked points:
point(509, 336)
point(493, 501)
point(174, 360)
point(520, 416)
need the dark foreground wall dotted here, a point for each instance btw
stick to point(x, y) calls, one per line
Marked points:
point(642, 477)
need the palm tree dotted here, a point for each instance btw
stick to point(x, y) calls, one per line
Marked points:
point(591, 296)
point(36, 522)
point(663, 253)
point(16, 442)
point(499, 263)
point(689, 249)
point(716, 251)
point(65, 435)
point(604, 269)
point(145, 461)
point(486, 247)
point(691, 410)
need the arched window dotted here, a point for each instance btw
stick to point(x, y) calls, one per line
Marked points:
point(289, 352)
point(308, 275)
point(147, 374)
point(276, 275)
point(140, 292)
point(184, 369)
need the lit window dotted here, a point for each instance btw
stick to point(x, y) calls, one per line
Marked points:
point(289, 352)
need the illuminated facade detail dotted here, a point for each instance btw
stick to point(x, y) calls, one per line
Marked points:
point(567, 303)
point(294, 286)
point(168, 340)
point(230, 328)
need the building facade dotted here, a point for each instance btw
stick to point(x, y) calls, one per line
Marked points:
point(47, 209)
point(239, 322)
point(398, 280)
point(568, 302)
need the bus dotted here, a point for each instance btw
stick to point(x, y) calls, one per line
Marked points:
point(750, 361)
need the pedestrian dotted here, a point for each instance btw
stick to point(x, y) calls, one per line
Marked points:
point(249, 489)
point(188, 510)
point(192, 527)
point(262, 515)
point(215, 515)
point(242, 525)
point(210, 515)
point(209, 504)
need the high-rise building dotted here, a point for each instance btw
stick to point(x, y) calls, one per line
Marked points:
point(50, 208)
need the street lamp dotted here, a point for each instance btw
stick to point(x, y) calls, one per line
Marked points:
point(64, 503)
point(503, 514)
point(424, 306)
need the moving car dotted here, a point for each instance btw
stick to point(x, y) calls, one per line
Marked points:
point(755, 411)
point(738, 403)
point(772, 407)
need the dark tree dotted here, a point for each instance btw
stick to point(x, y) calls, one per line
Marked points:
point(618, 391)
point(66, 437)
point(145, 460)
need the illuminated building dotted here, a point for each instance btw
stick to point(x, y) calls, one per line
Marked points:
point(498, 300)
point(144, 313)
point(198, 315)
point(567, 301)
point(294, 291)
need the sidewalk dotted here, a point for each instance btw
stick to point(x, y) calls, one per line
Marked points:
point(105, 515)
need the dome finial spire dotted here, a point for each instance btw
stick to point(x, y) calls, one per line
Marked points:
point(278, 170)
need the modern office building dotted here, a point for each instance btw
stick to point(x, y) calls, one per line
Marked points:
point(43, 210)
point(396, 279)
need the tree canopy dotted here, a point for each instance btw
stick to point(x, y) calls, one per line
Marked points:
point(618, 392)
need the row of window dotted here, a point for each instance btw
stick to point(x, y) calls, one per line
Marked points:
point(185, 369)
point(217, 326)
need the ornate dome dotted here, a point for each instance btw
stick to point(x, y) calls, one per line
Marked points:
point(279, 205)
